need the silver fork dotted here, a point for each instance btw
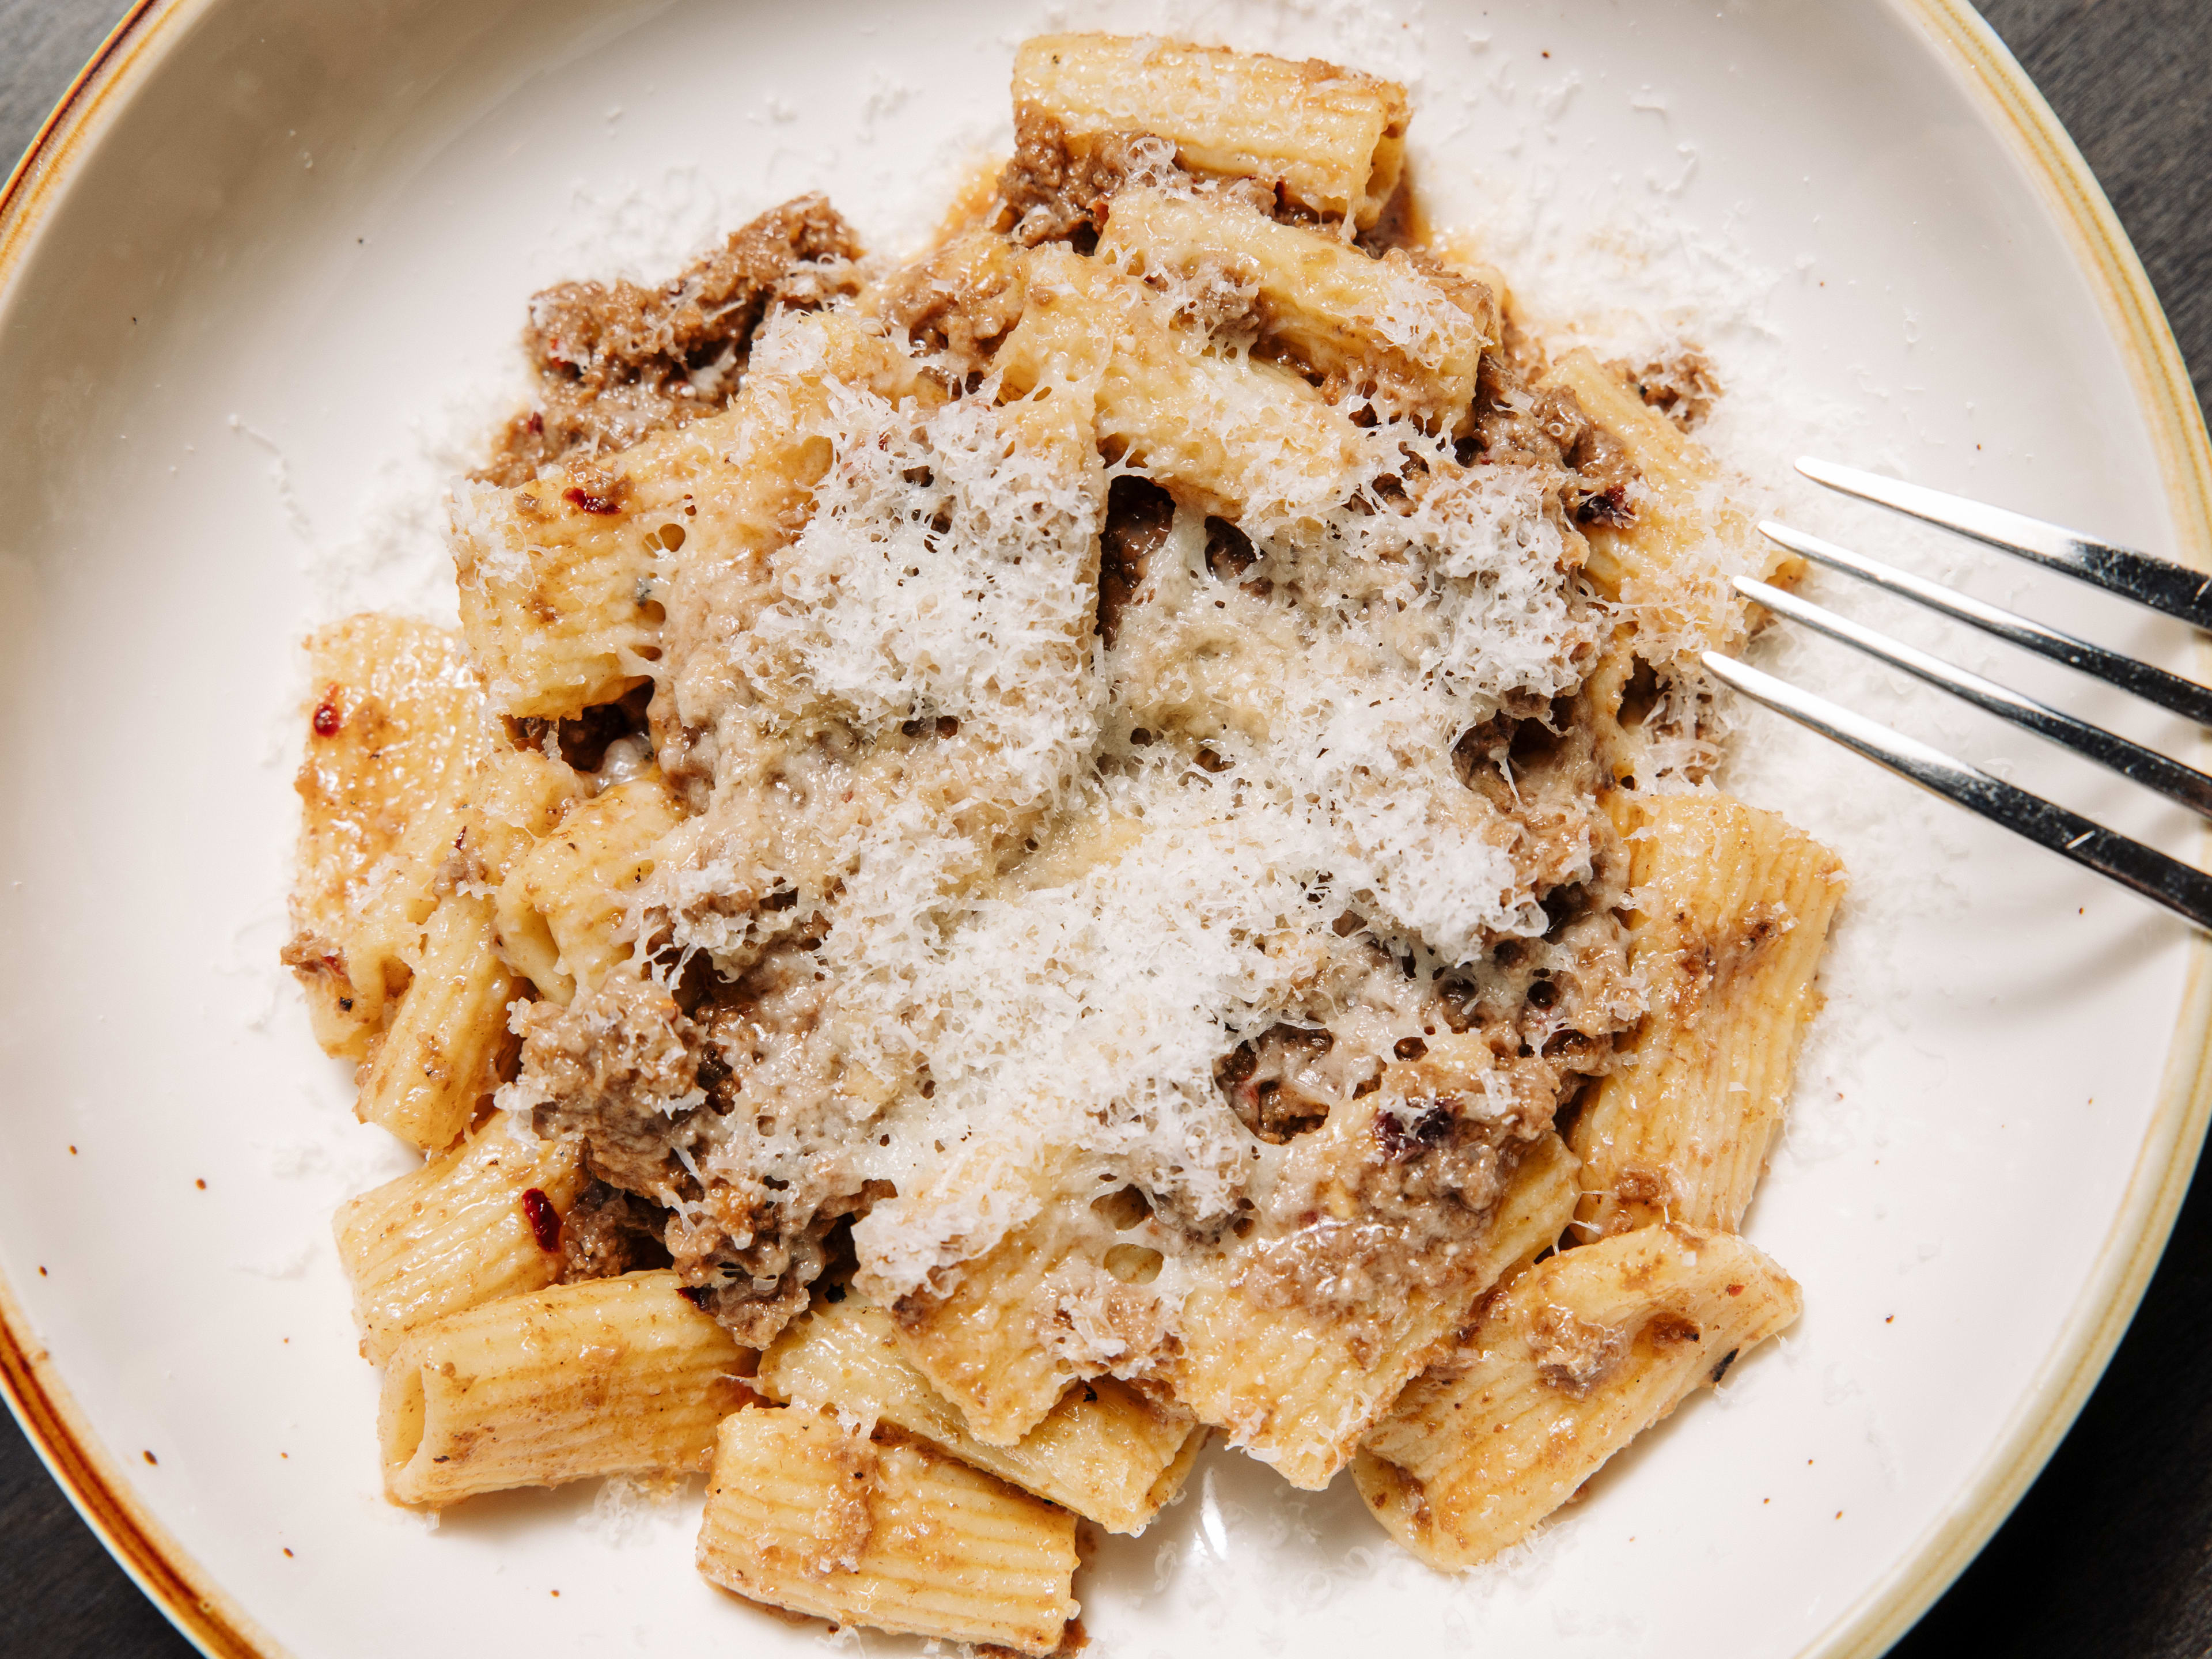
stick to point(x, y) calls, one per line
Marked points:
point(2162, 586)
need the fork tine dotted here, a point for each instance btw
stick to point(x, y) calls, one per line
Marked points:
point(2186, 891)
point(2170, 691)
point(2192, 788)
point(2159, 583)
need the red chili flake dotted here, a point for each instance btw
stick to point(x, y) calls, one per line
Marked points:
point(584, 501)
point(697, 1294)
point(327, 717)
point(1735, 1289)
point(537, 421)
point(150, 1458)
point(202, 1185)
point(545, 1219)
point(288, 1555)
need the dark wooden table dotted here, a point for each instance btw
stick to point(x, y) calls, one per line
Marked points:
point(2111, 1553)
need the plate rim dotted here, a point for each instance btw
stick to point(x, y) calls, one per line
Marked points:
point(100, 1489)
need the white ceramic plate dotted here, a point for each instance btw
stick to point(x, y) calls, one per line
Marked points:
point(259, 292)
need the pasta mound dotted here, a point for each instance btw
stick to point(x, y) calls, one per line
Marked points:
point(1060, 819)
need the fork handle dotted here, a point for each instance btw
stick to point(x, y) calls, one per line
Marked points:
point(2160, 584)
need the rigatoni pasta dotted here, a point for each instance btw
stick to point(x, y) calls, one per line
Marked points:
point(555, 581)
point(611, 1377)
point(479, 1223)
point(562, 908)
point(448, 1040)
point(1333, 142)
point(1732, 909)
point(1668, 557)
point(1577, 1356)
point(1254, 438)
point(394, 726)
point(808, 1513)
point(977, 1344)
point(1410, 335)
point(1298, 1393)
point(1095, 843)
point(1102, 1450)
point(516, 798)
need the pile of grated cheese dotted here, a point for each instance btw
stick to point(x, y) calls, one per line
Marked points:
point(1058, 881)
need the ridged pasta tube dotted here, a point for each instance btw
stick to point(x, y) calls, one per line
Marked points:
point(1104, 1450)
point(1410, 338)
point(1249, 441)
point(561, 908)
point(395, 722)
point(1332, 140)
point(611, 1377)
point(1732, 908)
point(814, 1515)
point(1574, 1359)
point(1297, 1389)
point(448, 1036)
point(459, 1231)
point(1672, 562)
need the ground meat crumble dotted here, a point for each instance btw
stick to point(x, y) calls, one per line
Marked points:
point(616, 361)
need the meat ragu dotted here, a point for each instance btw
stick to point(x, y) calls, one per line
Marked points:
point(614, 361)
point(1066, 813)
